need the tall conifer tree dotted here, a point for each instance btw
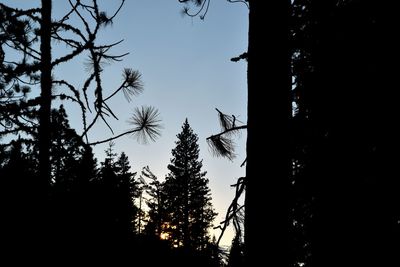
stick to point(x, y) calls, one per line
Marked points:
point(187, 193)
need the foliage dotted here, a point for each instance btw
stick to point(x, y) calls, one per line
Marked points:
point(188, 200)
point(27, 38)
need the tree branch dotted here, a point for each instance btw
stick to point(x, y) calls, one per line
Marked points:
point(233, 208)
point(113, 138)
point(237, 128)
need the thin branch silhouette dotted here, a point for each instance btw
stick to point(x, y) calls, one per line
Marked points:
point(233, 210)
point(222, 144)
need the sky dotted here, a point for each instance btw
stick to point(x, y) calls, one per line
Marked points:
point(187, 73)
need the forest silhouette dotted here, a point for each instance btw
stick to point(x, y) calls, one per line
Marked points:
point(322, 145)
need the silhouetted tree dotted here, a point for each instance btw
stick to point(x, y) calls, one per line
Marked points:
point(66, 148)
point(118, 190)
point(17, 175)
point(31, 34)
point(188, 200)
point(27, 62)
point(274, 56)
point(305, 136)
point(155, 203)
point(127, 192)
point(73, 172)
point(236, 253)
point(46, 68)
point(13, 89)
point(344, 203)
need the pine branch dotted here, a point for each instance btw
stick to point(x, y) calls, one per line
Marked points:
point(147, 120)
point(233, 209)
point(234, 129)
point(131, 86)
point(113, 138)
point(240, 1)
point(242, 56)
point(90, 125)
point(221, 144)
point(71, 55)
point(68, 27)
point(147, 126)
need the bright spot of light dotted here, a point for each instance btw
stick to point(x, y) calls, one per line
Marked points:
point(164, 236)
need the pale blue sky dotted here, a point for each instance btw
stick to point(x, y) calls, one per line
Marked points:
point(187, 73)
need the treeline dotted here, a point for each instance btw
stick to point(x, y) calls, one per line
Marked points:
point(106, 208)
point(56, 199)
point(344, 200)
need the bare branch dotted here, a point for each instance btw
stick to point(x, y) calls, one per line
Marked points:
point(233, 209)
point(25, 82)
point(90, 125)
point(108, 46)
point(66, 16)
point(242, 56)
point(239, 1)
point(69, 42)
point(84, 89)
point(70, 28)
point(116, 12)
point(202, 4)
point(78, 3)
point(113, 138)
point(105, 121)
point(244, 162)
point(64, 96)
point(71, 55)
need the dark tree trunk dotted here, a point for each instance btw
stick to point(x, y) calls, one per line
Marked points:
point(186, 240)
point(45, 97)
point(43, 186)
point(159, 216)
point(267, 158)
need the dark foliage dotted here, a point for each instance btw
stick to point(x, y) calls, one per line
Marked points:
point(341, 165)
point(92, 215)
point(187, 195)
point(344, 200)
point(268, 163)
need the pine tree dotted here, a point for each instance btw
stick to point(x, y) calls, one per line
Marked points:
point(30, 35)
point(188, 200)
point(66, 150)
point(17, 173)
point(127, 190)
point(117, 190)
point(73, 171)
point(236, 257)
point(86, 201)
point(107, 189)
point(155, 204)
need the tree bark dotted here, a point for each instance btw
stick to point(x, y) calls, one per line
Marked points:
point(268, 162)
point(45, 96)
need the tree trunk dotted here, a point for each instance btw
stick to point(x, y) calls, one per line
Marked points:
point(45, 97)
point(43, 185)
point(268, 163)
point(140, 213)
point(186, 240)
